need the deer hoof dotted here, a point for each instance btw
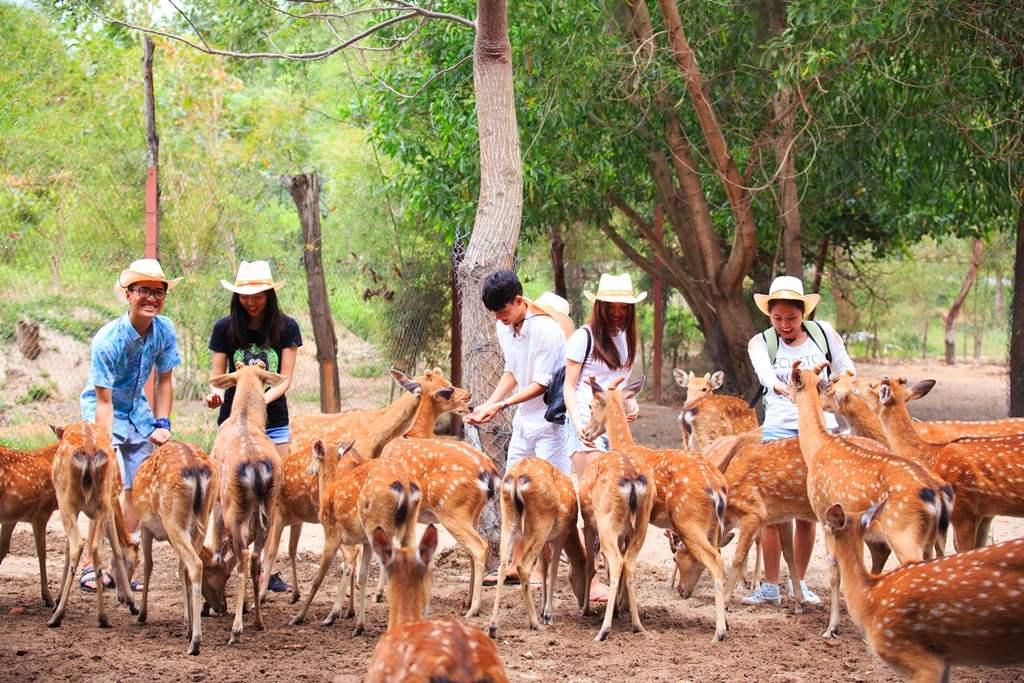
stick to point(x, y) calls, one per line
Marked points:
point(141, 619)
point(193, 648)
point(601, 635)
point(719, 636)
point(358, 630)
point(236, 636)
point(294, 597)
point(103, 621)
point(296, 620)
point(329, 619)
point(492, 631)
point(830, 633)
point(132, 609)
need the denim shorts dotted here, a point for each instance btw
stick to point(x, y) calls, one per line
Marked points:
point(572, 440)
point(776, 433)
point(132, 450)
point(282, 434)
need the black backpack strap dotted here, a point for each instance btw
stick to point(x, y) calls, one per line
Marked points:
point(590, 339)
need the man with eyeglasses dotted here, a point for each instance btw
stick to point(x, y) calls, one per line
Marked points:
point(124, 353)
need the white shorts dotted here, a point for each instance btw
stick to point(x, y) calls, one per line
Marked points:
point(546, 441)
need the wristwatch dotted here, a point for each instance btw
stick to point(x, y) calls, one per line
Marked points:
point(503, 405)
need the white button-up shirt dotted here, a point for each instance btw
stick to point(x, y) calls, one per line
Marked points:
point(532, 355)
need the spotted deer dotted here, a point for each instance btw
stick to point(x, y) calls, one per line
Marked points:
point(842, 470)
point(250, 474)
point(414, 649)
point(173, 492)
point(373, 494)
point(430, 396)
point(617, 493)
point(984, 472)
point(27, 495)
point(942, 431)
point(707, 416)
point(922, 618)
point(456, 481)
point(538, 505)
point(689, 493)
point(86, 480)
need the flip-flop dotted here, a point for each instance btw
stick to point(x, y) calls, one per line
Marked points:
point(88, 574)
point(510, 580)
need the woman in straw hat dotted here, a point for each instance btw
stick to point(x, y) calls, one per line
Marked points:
point(124, 352)
point(791, 337)
point(257, 331)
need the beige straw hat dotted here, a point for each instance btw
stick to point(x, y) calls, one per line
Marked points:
point(142, 270)
point(787, 288)
point(616, 289)
point(253, 277)
point(555, 306)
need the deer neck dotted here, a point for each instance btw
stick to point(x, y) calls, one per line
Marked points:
point(619, 435)
point(395, 421)
point(902, 435)
point(403, 609)
point(857, 582)
point(424, 419)
point(864, 422)
point(813, 432)
point(249, 400)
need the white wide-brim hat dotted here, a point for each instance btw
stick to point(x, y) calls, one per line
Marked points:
point(787, 288)
point(558, 308)
point(616, 289)
point(253, 277)
point(142, 270)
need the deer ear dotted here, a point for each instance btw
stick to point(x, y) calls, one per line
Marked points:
point(727, 540)
point(920, 389)
point(795, 376)
point(835, 517)
point(58, 431)
point(223, 381)
point(822, 386)
point(412, 386)
point(717, 379)
point(869, 515)
point(317, 458)
point(445, 393)
point(596, 388)
point(428, 544)
point(681, 378)
point(634, 387)
point(319, 451)
point(344, 447)
point(382, 546)
point(886, 396)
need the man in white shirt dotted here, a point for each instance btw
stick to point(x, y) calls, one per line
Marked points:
point(533, 345)
point(772, 352)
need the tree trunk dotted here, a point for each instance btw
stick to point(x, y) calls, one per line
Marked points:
point(954, 310)
point(305, 191)
point(26, 333)
point(499, 212)
point(152, 246)
point(1017, 324)
point(788, 199)
point(558, 260)
point(658, 297)
point(455, 425)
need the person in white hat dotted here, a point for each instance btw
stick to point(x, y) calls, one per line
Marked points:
point(791, 337)
point(123, 354)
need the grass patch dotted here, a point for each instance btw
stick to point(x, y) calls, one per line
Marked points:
point(368, 371)
point(38, 392)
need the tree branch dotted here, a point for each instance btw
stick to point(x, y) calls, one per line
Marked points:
point(662, 255)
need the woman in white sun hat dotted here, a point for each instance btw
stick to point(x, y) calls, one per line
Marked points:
point(257, 330)
point(791, 337)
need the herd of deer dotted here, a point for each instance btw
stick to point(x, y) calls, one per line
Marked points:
point(370, 476)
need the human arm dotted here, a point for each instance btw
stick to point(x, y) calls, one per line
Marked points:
point(287, 368)
point(573, 369)
point(215, 398)
point(757, 350)
point(164, 396)
point(486, 411)
point(841, 361)
point(105, 409)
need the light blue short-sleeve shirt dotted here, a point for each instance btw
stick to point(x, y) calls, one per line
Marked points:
point(121, 362)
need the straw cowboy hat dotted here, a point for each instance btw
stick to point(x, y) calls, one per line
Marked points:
point(143, 270)
point(253, 277)
point(555, 306)
point(616, 289)
point(787, 288)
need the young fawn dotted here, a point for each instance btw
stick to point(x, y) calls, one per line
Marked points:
point(374, 493)
point(86, 479)
point(617, 493)
point(841, 470)
point(923, 617)
point(430, 396)
point(173, 492)
point(689, 493)
point(538, 505)
point(27, 495)
point(983, 471)
point(250, 476)
point(457, 481)
point(707, 416)
point(419, 651)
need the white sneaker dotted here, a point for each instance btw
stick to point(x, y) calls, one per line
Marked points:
point(765, 593)
point(810, 597)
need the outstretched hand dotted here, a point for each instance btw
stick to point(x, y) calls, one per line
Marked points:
point(483, 413)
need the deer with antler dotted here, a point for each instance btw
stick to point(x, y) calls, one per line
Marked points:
point(249, 473)
point(373, 494)
point(841, 470)
point(86, 479)
point(689, 493)
point(707, 416)
point(538, 505)
point(924, 617)
point(429, 396)
point(414, 649)
point(27, 495)
point(983, 471)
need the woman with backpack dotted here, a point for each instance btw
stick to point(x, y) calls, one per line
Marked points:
point(791, 337)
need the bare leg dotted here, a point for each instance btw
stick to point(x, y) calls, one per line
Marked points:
point(803, 546)
point(793, 564)
point(771, 550)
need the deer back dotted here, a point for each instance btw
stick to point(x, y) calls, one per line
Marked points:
point(618, 487)
point(536, 490)
point(175, 486)
point(85, 474)
point(939, 431)
point(389, 498)
point(26, 484)
point(987, 473)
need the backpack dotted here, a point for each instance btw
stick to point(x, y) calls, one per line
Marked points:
point(554, 398)
point(813, 329)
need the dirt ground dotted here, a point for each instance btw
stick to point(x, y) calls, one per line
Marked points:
point(764, 644)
